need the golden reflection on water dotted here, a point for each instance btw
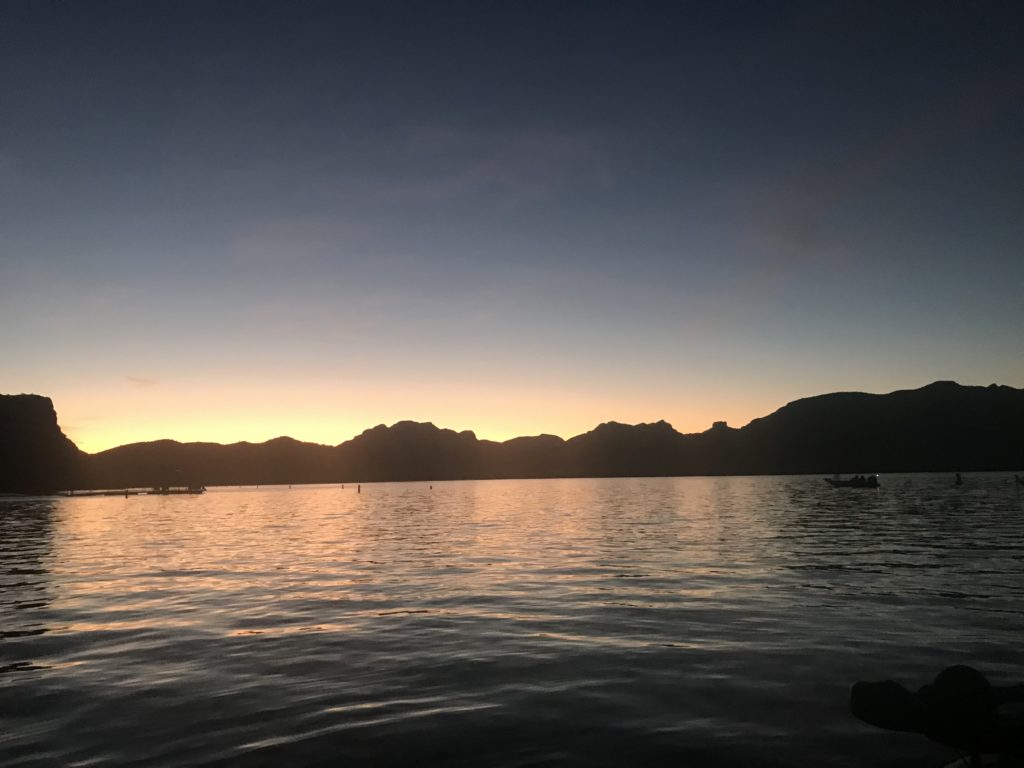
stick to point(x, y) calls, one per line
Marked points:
point(388, 548)
point(659, 611)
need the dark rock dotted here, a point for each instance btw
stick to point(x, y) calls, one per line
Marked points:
point(35, 456)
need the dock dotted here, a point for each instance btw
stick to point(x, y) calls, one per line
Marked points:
point(158, 491)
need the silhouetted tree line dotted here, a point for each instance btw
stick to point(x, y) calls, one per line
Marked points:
point(940, 427)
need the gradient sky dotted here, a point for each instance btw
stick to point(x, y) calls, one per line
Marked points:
point(228, 221)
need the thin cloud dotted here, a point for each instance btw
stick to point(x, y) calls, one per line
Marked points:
point(143, 382)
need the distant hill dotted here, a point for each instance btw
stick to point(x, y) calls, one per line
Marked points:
point(941, 427)
point(168, 462)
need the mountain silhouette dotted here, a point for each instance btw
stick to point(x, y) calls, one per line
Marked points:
point(35, 456)
point(941, 427)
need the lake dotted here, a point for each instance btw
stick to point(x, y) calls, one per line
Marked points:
point(579, 622)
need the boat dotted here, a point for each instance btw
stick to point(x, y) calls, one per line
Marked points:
point(860, 481)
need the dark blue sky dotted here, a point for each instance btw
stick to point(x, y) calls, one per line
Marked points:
point(513, 217)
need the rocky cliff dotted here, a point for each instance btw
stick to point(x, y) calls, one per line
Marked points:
point(35, 456)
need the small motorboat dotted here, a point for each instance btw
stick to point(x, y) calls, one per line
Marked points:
point(860, 481)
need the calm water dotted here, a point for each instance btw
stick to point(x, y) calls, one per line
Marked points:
point(625, 622)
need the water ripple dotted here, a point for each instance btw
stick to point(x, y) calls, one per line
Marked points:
point(648, 621)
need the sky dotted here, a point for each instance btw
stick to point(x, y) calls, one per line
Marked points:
point(236, 220)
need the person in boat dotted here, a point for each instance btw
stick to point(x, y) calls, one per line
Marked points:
point(960, 709)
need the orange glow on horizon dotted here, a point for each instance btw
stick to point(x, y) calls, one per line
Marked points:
point(328, 414)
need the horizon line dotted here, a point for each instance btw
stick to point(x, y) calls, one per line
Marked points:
point(714, 424)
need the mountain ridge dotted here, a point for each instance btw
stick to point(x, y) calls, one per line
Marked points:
point(943, 426)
